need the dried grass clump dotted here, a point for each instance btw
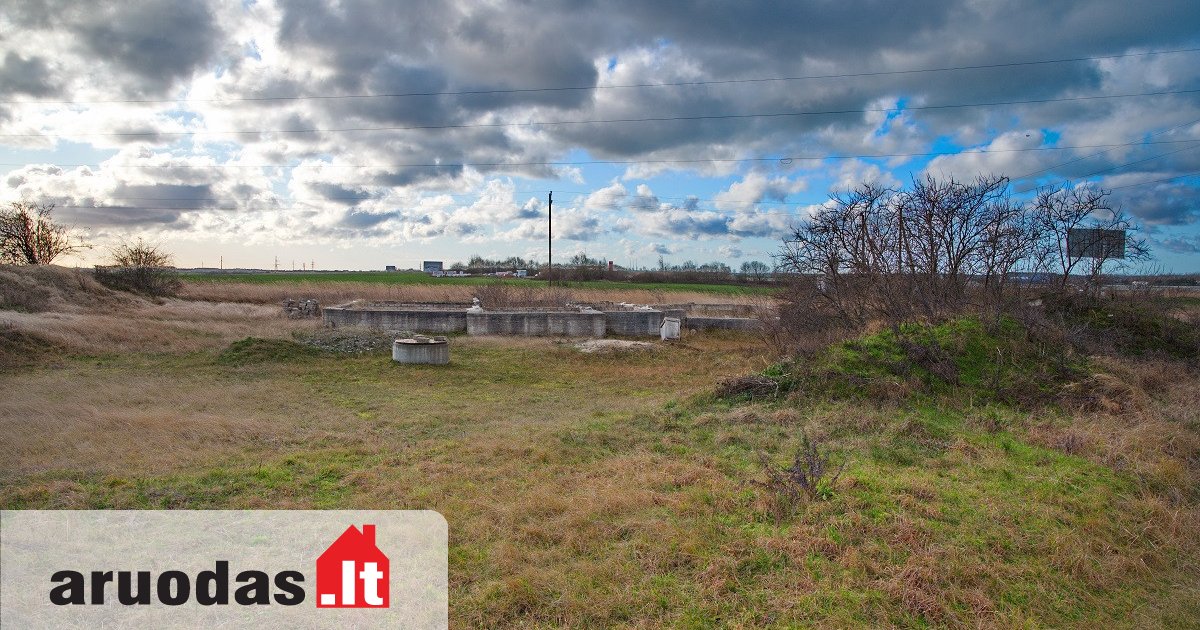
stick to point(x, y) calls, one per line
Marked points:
point(1104, 393)
point(173, 327)
point(500, 295)
point(328, 293)
point(752, 387)
point(40, 288)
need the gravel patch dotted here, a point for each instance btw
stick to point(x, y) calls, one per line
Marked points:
point(613, 345)
point(351, 340)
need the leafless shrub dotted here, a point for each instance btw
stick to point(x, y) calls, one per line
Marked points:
point(940, 247)
point(883, 253)
point(29, 236)
point(139, 267)
point(802, 322)
point(809, 477)
point(1058, 210)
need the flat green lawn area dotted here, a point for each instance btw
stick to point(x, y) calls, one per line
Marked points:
point(601, 490)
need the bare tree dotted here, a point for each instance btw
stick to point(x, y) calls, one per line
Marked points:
point(756, 270)
point(139, 267)
point(29, 236)
point(1058, 210)
point(883, 252)
point(139, 253)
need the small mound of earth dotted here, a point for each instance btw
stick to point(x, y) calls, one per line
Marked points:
point(349, 340)
point(612, 345)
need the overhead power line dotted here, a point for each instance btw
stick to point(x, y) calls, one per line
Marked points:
point(298, 203)
point(570, 88)
point(782, 159)
point(1136, 141)
point(552, 123)
point(1157, 181)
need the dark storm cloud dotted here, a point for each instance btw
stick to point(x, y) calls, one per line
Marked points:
point(182, 195)
point(356, 220)
point(392, 77)
point(339, 193)
point(418, 174)
point(1163, 204)
point(158, 41)
point(21, 75)
point(1180, 245)
point(122, 216)
point(487, 54)
point(149, 45)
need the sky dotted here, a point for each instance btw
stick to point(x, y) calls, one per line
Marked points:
point(358, 134)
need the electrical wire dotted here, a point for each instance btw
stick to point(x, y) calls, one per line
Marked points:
point(842, 75)
point(453, 165)
point(555, 123)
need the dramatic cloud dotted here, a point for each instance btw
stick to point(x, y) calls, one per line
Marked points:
point(309, 121)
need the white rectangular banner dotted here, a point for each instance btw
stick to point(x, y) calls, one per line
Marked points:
point(228, 569)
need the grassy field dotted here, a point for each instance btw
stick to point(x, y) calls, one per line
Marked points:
point(614, 489)
point(402, 278)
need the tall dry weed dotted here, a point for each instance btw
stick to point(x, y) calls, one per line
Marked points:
point(330, 293)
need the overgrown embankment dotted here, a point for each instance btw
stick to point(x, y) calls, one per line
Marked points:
point(1041, 468)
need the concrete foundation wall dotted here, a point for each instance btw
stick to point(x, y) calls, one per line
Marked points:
point(387, 319)
point(537, 323)
point(633, 323)
point(745, 324)
point(710, 310)
point(616, 319)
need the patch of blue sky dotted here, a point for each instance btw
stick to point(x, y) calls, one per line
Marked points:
point(942, 145)
point(65, 153)
point(183, 115)
point(898, 111)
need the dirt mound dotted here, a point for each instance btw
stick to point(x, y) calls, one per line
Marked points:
point(37, 288)
point(612, 345)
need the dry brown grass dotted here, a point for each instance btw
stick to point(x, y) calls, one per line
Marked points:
point(330, 293)
point(582, 493)
point(147, 422)
point(35, 288)
point(1141, 417)
point(172, 327)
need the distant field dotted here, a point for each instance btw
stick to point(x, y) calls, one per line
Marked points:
point(382, 277)
point(417, 278)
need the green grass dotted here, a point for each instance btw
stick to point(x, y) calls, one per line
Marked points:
point(608, 490)
point(965, 358)
point(258, 350)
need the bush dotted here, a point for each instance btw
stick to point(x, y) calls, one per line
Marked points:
point(139, 267)
point(152, 281)
point(1138, 325)
point(809, 477)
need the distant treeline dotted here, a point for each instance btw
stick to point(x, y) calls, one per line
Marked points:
point(583, 267)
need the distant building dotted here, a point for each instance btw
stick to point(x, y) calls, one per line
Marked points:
point(432, 267)
point(390, 268)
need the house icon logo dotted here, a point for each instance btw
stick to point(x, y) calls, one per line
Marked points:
point(353, 572)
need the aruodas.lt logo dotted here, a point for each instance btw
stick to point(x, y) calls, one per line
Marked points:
point(353, 572)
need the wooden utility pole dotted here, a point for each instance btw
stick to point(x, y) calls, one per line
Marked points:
point(550, 238)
